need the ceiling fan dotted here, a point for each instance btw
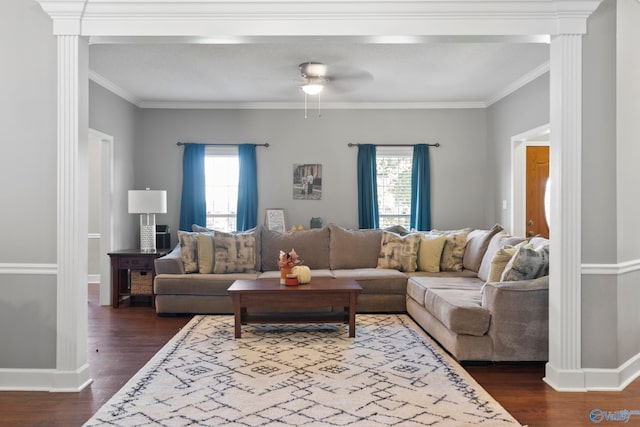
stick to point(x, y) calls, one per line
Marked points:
point(315, 77)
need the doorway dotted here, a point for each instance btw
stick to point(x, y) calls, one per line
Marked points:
point(100, 238)
point(538, 137)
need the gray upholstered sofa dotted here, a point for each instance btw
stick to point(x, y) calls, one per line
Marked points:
point(474, 316)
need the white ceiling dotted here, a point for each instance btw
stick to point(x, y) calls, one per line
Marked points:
point(455, 73)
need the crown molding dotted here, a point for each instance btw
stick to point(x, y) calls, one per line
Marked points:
point(114, 88)
point(519, 83)
point(300, 105)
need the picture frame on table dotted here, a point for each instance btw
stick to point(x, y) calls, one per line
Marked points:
point(274, 219)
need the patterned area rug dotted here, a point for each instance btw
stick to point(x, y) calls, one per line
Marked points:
point(391, 374)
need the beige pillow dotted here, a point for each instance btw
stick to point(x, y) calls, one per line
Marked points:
point(189, 250)
point(206, 252)
point(430, 252)
point(234, 253)
point(399, 252)
point(499, 262)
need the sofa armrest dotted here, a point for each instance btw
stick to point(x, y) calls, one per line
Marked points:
point(171, 263)
point(519, 319)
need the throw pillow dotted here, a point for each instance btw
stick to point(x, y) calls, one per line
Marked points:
point(189, 250)
point(430, 252)
point(527, 263)
point(453, 251)
point(499, 240)
point(206, 252)
point(477, 243)
point(200, 229)
point(399, 252)
point(234, 253)
point(500, 261)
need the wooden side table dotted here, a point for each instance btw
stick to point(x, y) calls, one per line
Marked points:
point(132, 274)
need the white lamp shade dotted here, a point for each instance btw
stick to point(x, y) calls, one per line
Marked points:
point(147, 201)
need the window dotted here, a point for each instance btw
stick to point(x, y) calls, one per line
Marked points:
point(221, 170)
point(393, 173)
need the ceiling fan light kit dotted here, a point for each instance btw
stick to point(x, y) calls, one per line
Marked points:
point(313, 74)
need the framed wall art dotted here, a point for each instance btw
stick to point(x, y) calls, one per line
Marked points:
point(307, 181)
point(274, 219)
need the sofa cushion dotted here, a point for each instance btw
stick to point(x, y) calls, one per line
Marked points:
point(206, 252)
point(353, 248)
point(499, 240)
point(477, 243)
point(312, 246)
point(376, 280)
point(235, 253)
point(459, 310)
point(527, 263)
point(399, 252)
point(417, 285)
point(430, 252)
point(453, 251)
point(189, 250)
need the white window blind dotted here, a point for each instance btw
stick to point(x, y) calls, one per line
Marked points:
point(393, 174)
point(221, 167)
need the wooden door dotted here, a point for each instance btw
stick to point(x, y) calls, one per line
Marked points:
point(536, 182)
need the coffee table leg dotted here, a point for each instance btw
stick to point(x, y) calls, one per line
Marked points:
point(237, 316)
point(352, 315)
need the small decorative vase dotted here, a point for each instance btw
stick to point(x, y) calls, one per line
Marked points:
point(283, 274)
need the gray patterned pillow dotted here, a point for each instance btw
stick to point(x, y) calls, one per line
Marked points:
point(527, 263)
point(235, 253)
point(189, 250)
point(399, 252)
point(453, 251)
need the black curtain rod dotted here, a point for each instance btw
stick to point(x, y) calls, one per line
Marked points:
point(222, 145)
point(437, 144)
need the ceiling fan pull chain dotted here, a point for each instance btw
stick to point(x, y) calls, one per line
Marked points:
point(319, 108)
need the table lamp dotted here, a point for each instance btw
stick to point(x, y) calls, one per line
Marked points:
point(147, 203)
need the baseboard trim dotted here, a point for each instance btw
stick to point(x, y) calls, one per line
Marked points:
point(51, 380)
point(613, 379)
point(590, 379)
point(611, 269)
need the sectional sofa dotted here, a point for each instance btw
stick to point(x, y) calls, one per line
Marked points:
point(481, 293)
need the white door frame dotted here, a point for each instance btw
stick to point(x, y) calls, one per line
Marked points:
point(106, 212)
point(539, 136)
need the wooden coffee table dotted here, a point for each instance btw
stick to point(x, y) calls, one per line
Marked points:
point(269, 293)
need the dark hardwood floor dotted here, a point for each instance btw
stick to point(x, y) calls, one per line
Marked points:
point(122, 340)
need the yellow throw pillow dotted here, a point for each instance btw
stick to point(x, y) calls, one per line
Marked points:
point(500, 261)
point(206, 252)
point(430, 251)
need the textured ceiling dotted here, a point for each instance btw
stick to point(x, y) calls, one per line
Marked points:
point(267, 72)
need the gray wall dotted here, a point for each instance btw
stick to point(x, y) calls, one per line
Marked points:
point(28, 156)
point(114, 116)
point(599, 210)
point(461, 159)
point(521, 111)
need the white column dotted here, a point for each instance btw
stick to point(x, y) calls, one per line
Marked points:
point(72, 370)
point(564, 369)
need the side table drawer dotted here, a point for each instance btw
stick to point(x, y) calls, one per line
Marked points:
point(136, 263)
